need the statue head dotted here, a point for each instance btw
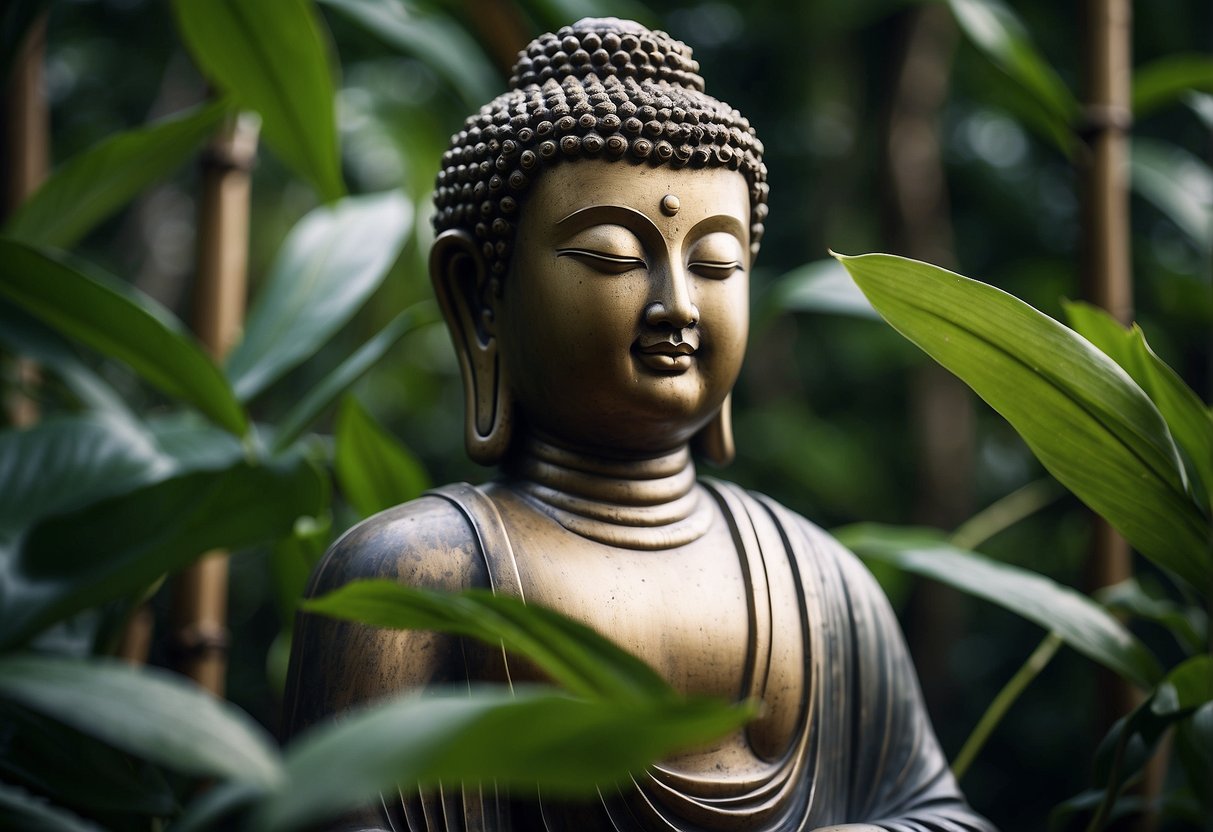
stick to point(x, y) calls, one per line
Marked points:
point(596, 227)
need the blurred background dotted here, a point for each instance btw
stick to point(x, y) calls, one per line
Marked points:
point(885, 130)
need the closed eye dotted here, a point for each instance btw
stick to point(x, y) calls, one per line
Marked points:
point(607, 263)
point(715, 269)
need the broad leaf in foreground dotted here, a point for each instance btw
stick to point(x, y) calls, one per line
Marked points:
point(116, 320)
point(93, 184)
point(1085, 419)
point(1075, 618)
point(1166, 80)
point(272, 58)
point(117, 547)
point(570, 653)
point(330, 263)
point(152, 714)
point(517, 739)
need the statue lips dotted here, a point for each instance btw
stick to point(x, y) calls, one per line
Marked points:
point(668, 352)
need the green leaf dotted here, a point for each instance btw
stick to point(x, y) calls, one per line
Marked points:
point(292, 562)
point(513, 739)
point(25, 335)
point(821, 286)
point(1075, 618)
point(1194, 743)
point(374, 470)
point(1166, 80)
point(999, 34)
point(272, 57)
point(67, 462)
point(331, 387)
point(435, 39)
point(94, 184)
point(1188, 418)
point(1178, 184)
point(76, 770)
point(1089, 424)
point(1188, 624)
point(1186, 689)
point(331, 262)
point(113, 318)
point(21, 811)
point(118, 547)
point(572, 654)
point(152, 714)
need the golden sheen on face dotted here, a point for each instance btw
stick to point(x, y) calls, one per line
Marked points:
point(623, 319)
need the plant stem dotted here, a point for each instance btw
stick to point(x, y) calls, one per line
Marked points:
point(1006, 512)
point(1002, 703)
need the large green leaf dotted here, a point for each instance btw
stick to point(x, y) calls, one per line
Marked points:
point(1089, 424)
point(1166, 80)
point(331, 387)
point(1178, 184)
point(572, 654)
point(25, 335)
point(1188, 418)
point(442, 44)
point(21, 811)
point(374, 470)
point(329, 265)
point(76, 770)
point(1075, 618)
point(1188, 623)
point(111, 317)
point(516, 739)
point(272, 57)
point(998, 33)
point(66, 462)
point(117, 547)
point(152, 714)
point(93, 184)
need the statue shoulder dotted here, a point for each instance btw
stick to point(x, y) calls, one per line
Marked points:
point(427, 542)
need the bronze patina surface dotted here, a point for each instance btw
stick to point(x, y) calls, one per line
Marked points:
point(597, 224)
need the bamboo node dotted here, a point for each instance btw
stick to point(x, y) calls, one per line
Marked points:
point(1102, 118)
point(198, 640)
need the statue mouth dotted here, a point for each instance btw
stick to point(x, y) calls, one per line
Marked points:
point(667, 351)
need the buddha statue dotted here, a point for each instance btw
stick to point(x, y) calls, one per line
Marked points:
point(596, 228)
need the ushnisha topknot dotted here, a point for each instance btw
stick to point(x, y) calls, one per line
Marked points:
point(602, 88)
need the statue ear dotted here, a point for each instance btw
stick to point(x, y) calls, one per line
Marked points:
point(715, 441)
point(468, 299)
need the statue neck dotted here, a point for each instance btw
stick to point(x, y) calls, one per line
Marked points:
point(650, 503)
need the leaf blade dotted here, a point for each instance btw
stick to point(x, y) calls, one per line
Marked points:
point(516, 739)
point(92, 185)
point(571, 653)
point(112, 318)
point(1089, 424)
point(374, 470)
point(1079, 621)
point(330, 263)
point(151, 714)
point(272, 58)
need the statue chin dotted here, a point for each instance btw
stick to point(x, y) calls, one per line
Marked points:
point(597, 226)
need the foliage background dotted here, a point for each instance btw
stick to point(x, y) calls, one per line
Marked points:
point(824, 415)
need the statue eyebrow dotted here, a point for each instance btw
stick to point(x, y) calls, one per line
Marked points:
point(597, 214)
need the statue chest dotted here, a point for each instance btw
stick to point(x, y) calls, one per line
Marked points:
point(719, 616)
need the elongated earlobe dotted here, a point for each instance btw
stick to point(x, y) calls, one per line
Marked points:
point(468, 301)
point(715, 442)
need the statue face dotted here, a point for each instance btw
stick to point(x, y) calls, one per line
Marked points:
point(623, 320)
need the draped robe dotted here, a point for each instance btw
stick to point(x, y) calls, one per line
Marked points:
point(844, 737)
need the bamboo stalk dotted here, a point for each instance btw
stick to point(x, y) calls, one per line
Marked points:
point(200, 634)
point(1107, 282)
point(26, 162)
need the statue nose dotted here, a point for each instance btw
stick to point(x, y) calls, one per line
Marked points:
point(672, 304)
